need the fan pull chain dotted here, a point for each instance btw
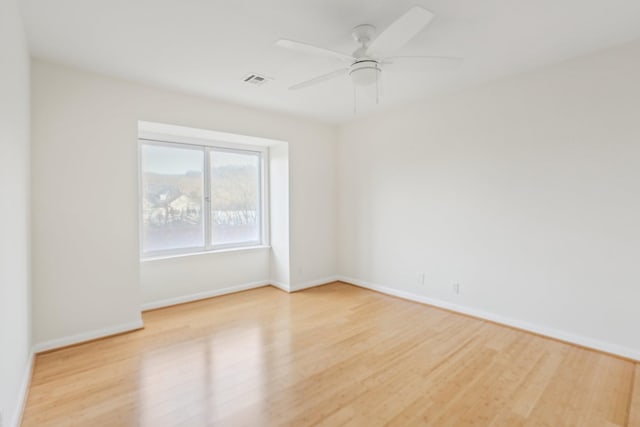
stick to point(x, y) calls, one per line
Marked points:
point(377, 90)
point(355, 110)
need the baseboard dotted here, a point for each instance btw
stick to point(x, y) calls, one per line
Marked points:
point(232, 289)
point(304, 285)
point(570, 338)
point(203, 295)
point(313, 283)
point(280, 286)
point(23, 393)
point(87, 336)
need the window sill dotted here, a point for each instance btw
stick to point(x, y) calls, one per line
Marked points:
point(212, 252)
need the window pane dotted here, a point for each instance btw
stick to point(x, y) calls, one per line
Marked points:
point(172, 186)
point(235, 197)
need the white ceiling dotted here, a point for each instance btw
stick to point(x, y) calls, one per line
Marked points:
point(208, 46)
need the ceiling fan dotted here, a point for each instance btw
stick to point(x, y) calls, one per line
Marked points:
point(366, 63)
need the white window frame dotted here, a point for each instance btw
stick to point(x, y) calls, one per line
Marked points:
point(206, 146)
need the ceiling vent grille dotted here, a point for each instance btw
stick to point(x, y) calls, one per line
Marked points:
point(255, 79)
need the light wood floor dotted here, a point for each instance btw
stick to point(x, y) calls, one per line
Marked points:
point(331, 355)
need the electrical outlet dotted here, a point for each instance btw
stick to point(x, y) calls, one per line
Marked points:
point(456, 288)
point(420, 278)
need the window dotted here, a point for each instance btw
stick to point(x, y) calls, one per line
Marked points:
point(198, 198)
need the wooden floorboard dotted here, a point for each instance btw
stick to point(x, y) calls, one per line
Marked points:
point(332, 355)
point(634, 405)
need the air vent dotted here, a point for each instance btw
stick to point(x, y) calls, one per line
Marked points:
point(256, 79)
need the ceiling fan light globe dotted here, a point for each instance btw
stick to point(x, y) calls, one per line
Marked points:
point(365, 73)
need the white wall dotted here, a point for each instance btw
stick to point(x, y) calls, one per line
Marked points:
point(179, 279)
point(86, 269)
point(313, 209)
point(526, 192)
point(15, 313)
point(279, 265)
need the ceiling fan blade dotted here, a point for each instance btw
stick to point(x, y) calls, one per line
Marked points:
point(400, 32)
point(319, 79)
point(312, 50)
point(422, 63)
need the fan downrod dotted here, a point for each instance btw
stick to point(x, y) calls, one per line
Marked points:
point(363, 34)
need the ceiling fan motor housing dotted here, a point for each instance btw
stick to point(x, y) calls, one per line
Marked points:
point(365, 72)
